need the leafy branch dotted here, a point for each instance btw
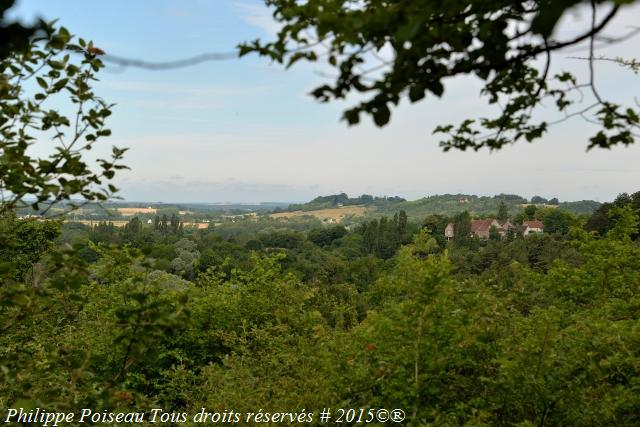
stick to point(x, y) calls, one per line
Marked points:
point(27, 121)
point(386, 51)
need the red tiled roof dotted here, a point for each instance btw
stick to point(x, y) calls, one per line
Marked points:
point(481, 225)
point(534, 224)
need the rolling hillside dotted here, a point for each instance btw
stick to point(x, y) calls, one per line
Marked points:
point(446, 204)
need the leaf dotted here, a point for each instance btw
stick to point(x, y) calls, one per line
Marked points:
point(352, 116)
point(436, 87)
point(56, 65)
point(381, 115)
point(550, 12)
point(417, 92)
point(60, 84)
point(43, 84)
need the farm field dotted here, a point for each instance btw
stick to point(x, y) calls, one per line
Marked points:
point(116, 223)
point(336, 214)
point(134, 211)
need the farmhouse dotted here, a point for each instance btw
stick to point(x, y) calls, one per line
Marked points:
point(529, 227)
point(482, 228)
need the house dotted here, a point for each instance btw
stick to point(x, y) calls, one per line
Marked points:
point(448, 231)
point(482, 228)
point(529, 227)
point(505, 226)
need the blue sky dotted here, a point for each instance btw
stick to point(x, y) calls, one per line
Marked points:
point(245, 130)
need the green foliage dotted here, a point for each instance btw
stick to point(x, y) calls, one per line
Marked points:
point(556, 221)
point(528, 331)
point(538, 199)
point(337, 200)
point(503, 212)
point(604, 218)
point(445, 204)
point(15, 36)
point(281, 239)
point(530, 212)
point(326, 236)
point(286, 315)
point(26, 118)
point(23, 242)
point(386, 51)
point(383, 237)
point(462, 227)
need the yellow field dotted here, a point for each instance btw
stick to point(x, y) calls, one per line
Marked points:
point(133, 211)
point(335, 214)
point(198, 225)
point(91, 223)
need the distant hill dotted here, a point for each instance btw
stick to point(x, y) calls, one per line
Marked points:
point(580, 207)
point(339, 200)
point(451, 204)
point(446, 204)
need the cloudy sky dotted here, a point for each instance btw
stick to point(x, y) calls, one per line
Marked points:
point(245, 130)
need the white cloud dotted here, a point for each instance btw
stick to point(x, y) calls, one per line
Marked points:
point(307, 152)
point(259, 16)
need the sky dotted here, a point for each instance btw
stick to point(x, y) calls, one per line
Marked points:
point(246, 130)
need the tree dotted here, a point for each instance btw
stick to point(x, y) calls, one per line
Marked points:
point(605, 217)
point(462, 227)
point(538, 200)
point(402, 222)
point(33, 81)
point(283, 238)
point(424, 244)
point(186, 262)
point(14, 35)
point(382, 238)
point(557, 221)
point(369, 232)
point(554, 201)
point(164, 225)
point(494, 235)
point(390, 50)
point(503, 212)
point(133, 228)
point(254, 245)
point(23, 243)
point(174, 223)
point(326, 236)
point(435, 226)
point(530, 212)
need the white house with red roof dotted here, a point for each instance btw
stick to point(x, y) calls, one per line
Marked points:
point(482, 228)
point(530, 227)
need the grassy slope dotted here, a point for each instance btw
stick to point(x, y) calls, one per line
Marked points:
point(451, 204)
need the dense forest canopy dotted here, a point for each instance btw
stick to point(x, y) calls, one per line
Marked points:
point(299, 314)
